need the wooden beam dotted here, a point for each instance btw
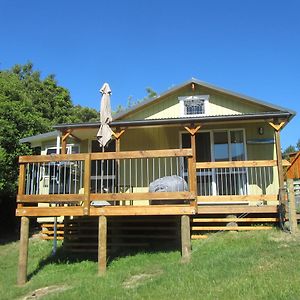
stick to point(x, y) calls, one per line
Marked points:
point(87, 184)
point(185, 239)
point(21, 181)
point(192, 130)
point(51, 158)
point(236, 209)
point(52, 198)
point(118, 134)
point(23, 255)
point(64, 138)
point(107, 155)
point(236, 164)
point(292, 207)
point(102, 245)
point(231, 228)
point(166, 196)
point(145, 210)
point(277, 127)
point(229, 198)
point(237, 220)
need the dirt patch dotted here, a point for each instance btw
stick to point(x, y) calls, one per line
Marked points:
point(39, 293)
point(139, 279)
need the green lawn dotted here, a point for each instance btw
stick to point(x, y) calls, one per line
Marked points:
point(245, 265)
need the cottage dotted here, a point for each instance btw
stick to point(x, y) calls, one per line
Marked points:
point(224, 145)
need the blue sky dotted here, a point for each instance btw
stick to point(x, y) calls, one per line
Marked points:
point(251, 47)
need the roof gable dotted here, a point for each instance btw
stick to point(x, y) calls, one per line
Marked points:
point(222, 102)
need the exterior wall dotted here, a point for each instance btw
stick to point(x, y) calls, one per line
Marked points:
point(219, 104)
point(169, 137)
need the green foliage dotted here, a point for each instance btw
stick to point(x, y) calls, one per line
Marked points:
point(29, 105)
point(291, 149)
point(131, 102)
point(244, 265)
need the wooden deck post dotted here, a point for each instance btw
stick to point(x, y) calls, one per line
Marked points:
point(102, 245)
point(185, 239)
point(282, 198)
point(117, 136)
point(87, 184)
point(192, 164)
point(292, 206)
point(23, 255)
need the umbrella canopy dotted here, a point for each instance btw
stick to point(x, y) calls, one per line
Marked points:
point(104, 134)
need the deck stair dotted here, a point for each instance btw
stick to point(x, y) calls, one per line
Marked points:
point(231, 220)
point(47, 231)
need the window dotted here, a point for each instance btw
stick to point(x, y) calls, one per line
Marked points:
point(194, 105)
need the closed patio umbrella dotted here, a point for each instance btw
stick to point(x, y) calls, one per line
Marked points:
point(104, 133)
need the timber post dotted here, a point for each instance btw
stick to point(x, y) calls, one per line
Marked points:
point(102, 245)
point(192, 165)
point(23, 255)
point(292, 206)
point(185, 239)
point(87, 184)
point(282, 198)
point(64, 138)
point(117, 136)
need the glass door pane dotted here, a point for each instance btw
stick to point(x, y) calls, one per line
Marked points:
point(237, 145)
point(221, 148)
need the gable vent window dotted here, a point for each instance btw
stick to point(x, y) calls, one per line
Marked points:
point(191, 106)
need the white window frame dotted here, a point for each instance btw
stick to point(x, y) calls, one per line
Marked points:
point(184, 99)
point(69, 148)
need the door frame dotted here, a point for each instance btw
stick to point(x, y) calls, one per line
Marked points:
point(211, 132)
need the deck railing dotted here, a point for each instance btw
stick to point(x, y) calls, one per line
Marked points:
point(237, 181)
point(103, 179)
point(116, 179)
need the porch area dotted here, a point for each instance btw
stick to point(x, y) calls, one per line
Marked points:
point(132, 183)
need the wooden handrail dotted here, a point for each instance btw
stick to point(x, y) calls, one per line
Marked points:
point(236, 164)
point(107, 155)
point(86, 198)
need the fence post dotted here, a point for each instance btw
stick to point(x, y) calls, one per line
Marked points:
point(292, 206)
point(87, 184)
point(23, 255)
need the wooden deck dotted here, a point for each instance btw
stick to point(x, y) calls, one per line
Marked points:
point(74, 187)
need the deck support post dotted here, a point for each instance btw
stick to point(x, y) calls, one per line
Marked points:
point(282, 198)
point(23, 254)
point(292, 207)
point(192, 164)
point(185, 239)
point(102, 245)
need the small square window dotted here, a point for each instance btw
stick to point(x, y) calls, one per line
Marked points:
point(194, 105)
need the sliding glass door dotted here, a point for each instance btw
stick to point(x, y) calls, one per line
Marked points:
point(220, 145)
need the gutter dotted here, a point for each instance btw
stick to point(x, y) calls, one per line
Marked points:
point(184, 121)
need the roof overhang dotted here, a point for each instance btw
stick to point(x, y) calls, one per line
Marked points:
point(36, 140)
point(264, 116)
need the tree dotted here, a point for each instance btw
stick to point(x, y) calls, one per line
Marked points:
point(298, 145)
point(288, 150)
point(131, 102)
point(29, 105)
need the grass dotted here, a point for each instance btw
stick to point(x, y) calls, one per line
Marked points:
point(245, 265)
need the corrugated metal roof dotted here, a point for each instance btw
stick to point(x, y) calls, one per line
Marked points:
point(186, 120)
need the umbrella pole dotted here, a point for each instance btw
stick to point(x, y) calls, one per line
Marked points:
point(102, 172)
